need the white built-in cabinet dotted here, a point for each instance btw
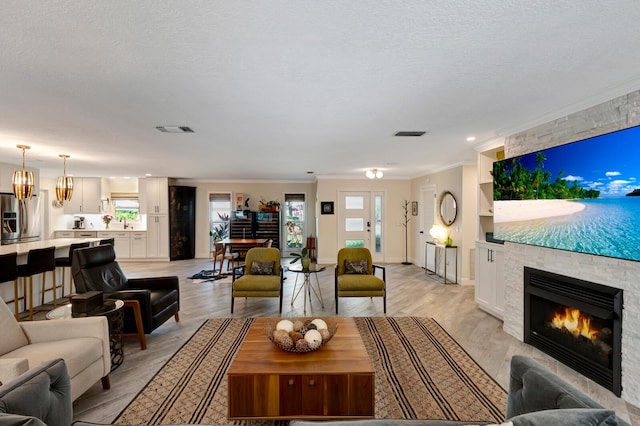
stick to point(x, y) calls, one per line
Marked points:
point(490, 278)
point(489, 272)
point(86, 197)
point(154, 196)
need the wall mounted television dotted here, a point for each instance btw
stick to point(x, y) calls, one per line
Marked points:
point(583, 196)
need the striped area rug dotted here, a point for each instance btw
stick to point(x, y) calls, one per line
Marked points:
point(421, 373)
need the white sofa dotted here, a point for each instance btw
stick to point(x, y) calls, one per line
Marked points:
point(83, 343)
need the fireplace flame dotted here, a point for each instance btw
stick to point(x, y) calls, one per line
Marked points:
point(575, 322)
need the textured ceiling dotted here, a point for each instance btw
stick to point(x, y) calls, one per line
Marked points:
point(274, 89)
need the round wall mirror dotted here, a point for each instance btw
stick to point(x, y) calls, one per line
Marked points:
point(448, 208)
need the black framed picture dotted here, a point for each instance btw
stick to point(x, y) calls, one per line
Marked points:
point(326, 207)
point(414, 208)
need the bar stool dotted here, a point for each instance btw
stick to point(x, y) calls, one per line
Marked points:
point(39, 261)
point(111, 241)
point(65, 262)
point(9, 272)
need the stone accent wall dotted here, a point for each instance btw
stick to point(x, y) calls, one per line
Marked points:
point(616, 114)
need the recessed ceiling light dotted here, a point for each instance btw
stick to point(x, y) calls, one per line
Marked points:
point(175, 129)
point(410, 133)
point(148, 174)
point(310, 173)
point(471, 138)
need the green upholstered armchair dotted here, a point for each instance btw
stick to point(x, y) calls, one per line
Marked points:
point(355, 282)
point(255, 282)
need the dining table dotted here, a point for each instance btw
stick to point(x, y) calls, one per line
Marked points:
point(245, 243)
point(242, 245)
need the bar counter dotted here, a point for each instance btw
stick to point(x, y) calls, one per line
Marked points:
point(61, 245)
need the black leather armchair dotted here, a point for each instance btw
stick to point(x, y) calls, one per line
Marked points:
point(95, 269)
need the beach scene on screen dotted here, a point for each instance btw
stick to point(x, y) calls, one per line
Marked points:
point(583, 196)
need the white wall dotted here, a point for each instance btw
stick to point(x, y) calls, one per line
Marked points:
point(461, 181)
point(616, 114)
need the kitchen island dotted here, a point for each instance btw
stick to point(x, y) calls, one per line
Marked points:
point(61, 245)
point(62, 250)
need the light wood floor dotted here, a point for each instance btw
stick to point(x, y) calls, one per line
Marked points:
point(410, 293)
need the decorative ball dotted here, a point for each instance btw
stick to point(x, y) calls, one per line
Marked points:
point(277, 334)
point(326, 335)
point(313, 338)
point(298, 325)
point(320, 324)
point(295, 336)
point(302, 345)
point(284, 340)
point(300, 335)
point(285, 324)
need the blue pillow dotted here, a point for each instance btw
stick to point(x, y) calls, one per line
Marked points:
point(568, 417)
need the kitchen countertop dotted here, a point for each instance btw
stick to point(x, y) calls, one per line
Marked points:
point(61, 245)
point(102, 230)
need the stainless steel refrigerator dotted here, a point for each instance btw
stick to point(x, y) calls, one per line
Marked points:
point(20, 219)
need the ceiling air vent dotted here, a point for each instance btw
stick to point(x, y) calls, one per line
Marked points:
point(175, 129)
point(410, 133)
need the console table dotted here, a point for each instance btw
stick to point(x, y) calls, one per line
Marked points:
point(436, 253)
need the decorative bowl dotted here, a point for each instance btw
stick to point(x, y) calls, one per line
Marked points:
point(301, 326)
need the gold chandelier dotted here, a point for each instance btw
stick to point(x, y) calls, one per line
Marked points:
point(23, 180)
point(64, 185)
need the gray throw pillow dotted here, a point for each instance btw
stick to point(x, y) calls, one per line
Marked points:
point(356, 267)
point(568, 417)
point(259, 268)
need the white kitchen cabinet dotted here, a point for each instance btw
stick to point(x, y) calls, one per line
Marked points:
point(490, 278)
point(158, 236)
point(138, 245)
point(121, 245)
point(154, 195)
point(86, 197)
point(65, 234)
point(84, 234)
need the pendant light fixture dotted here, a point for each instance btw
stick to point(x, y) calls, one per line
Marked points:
point(23, 181)
point(64, 185)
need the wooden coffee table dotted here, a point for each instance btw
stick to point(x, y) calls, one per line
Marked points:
point(336, 381)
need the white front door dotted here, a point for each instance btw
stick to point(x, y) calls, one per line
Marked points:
point(361, 224)
point(427, 218)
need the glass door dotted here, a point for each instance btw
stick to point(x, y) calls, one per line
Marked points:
point(294, 223)
point(219, 211)
point(361, 221)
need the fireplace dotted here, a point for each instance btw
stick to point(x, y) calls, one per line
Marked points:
point(577, 322)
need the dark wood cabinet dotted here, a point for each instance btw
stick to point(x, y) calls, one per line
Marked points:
point(182, 222)
point(250, 224)
point(337, 381)
point(288, 396)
